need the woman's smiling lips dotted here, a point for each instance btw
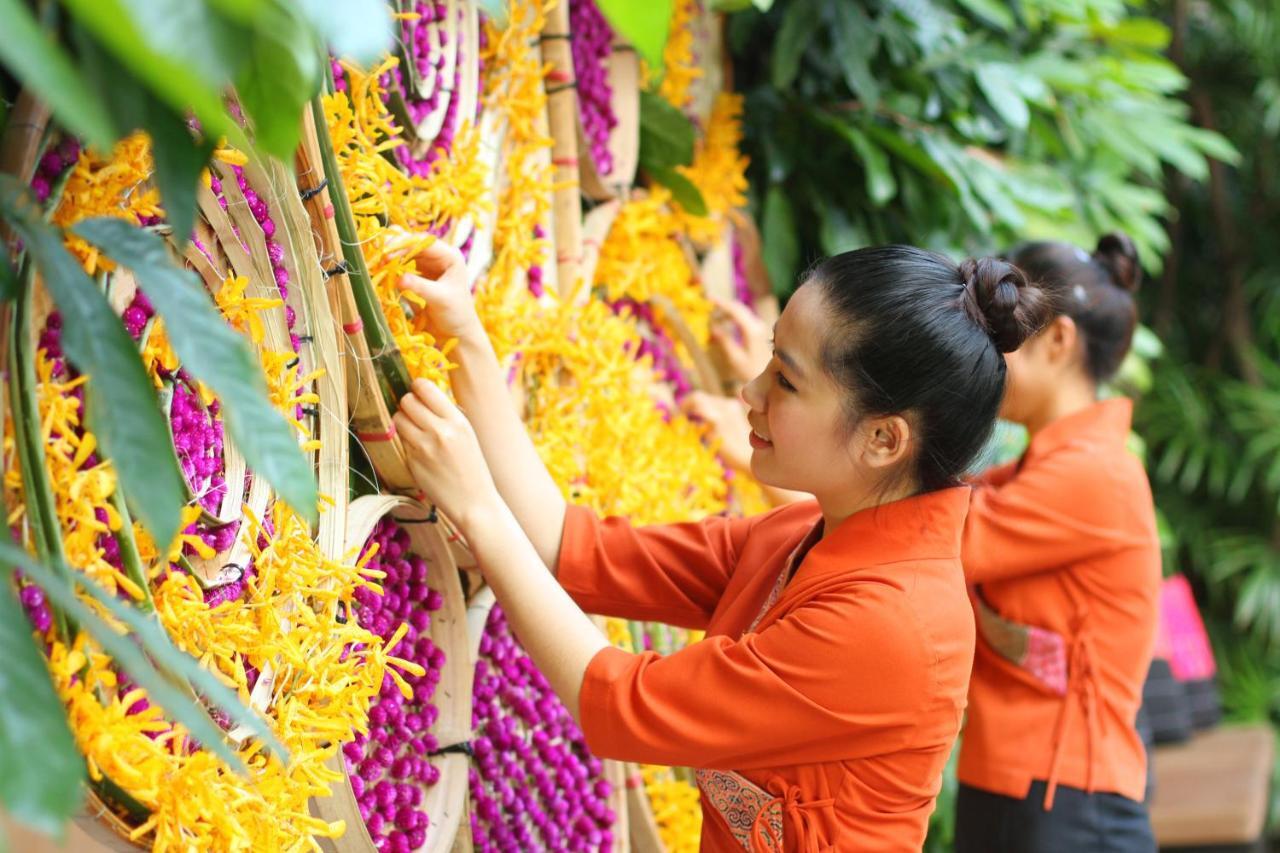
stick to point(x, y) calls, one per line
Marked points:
point(758, 441)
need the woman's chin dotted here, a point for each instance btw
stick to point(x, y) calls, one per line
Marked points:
point(762, 469)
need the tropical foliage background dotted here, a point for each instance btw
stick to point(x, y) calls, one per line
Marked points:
point(970, 125)
point(962, 125)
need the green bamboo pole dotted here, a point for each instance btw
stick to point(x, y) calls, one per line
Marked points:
point(392, 374)
point(42, 513)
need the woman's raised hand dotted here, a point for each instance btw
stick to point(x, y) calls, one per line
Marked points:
point(444, 455)
point(444, 284)
point(743, 338)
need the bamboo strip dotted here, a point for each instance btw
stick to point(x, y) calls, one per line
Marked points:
point(624, 139)
point(562, 115)
point(368, 413)
point(643, 827)
point(444, 801)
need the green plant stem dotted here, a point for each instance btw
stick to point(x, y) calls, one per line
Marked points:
point(393, 376)
point(42, 513)
point(130, 559)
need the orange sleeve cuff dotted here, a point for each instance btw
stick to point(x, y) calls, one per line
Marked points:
point(575, 547)
point(596, 707)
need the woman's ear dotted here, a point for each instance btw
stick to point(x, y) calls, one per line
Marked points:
point(884, 441)
point(1061, 340)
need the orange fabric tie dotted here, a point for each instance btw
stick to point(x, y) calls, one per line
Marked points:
point(1080, 682)
point(763, 838)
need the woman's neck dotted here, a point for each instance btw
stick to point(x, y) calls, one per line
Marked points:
point(836, 509)
point(1071, 397)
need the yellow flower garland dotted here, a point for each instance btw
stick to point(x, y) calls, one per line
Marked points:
point(325, 672)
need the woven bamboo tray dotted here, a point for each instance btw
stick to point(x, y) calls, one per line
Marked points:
point(445, 800)
point(624, 139)
point(562, 118)
point(644, 834)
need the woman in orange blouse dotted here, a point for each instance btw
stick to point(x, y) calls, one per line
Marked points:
point(820, 710)
point(1062, 549)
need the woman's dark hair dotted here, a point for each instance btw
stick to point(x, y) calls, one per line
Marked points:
point(1096, 291)
point(915, 334)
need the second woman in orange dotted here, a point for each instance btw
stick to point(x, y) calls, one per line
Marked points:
point(1062, 549)
point(820, 710)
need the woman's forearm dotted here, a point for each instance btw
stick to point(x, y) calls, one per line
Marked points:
point(518, 472)
point(532, 600)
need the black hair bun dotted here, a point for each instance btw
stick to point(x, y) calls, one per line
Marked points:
point(1001, 300)
point(1119, 257)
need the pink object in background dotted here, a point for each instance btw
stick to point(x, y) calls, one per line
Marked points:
point(1182, 638)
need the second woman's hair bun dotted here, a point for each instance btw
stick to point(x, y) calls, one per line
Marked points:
point(1001, 300)
point(1117, 254)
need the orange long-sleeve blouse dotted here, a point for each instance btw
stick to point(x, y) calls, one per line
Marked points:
point(839, 694)
point(1063, 542)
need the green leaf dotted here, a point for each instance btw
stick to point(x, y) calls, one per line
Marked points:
point(856, 43)
point(992, 12)
point(836, 233)
point(40, 768)
point(881, 185)
point(282, 74)
point(120, 398)
point(180, 159)
point(1146, 33)
point(361, 29)
point(998, 81)
point(130, 651)
point(216, 355)
point(666, 134)
point(37, 60)
point(799, 25)
point(909, 151)
point(182, 51)
point(179, 156)
point(8, 278)
point(683, 190)
point(643, 25)
point(781, 244)
point(1213, 144)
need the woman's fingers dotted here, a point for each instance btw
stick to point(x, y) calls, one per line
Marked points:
point(430, 290)
point(416, 411)
point(411, 435)
point(434, 400)
point(738, 314)
point(435, 260)
point(697, 404)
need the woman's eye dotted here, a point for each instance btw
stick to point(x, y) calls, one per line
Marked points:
point(785, 383)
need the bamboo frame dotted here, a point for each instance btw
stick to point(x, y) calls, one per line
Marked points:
point(643, 826)
point(563, 121)
point(444, 801)
point(368, 413)
point(624, 140)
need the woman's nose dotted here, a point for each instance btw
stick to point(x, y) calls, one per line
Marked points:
point(753, 392)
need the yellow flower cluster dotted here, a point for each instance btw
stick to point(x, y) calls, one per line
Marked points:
point(718, 170)
point(593, 419)
point(395, 212)
point(324, 672)
point(81, 491)
point(242, 312)
point(645, 255)
point(118, 185)
point(513, 89)
point(288, 388)
point(679, 65)
point(676, 808)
